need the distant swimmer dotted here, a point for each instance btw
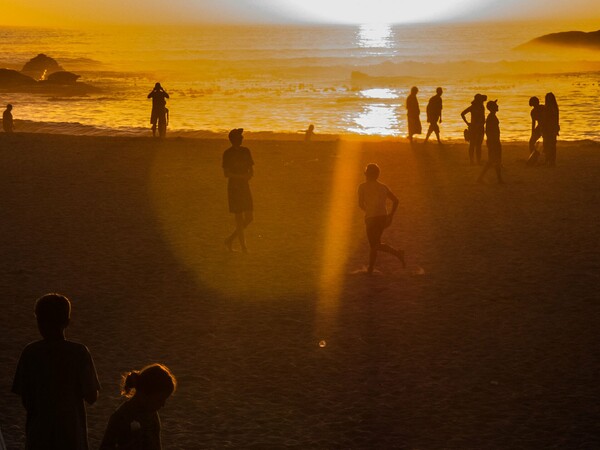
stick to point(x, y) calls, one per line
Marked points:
point(7, 119)
point(372, 199)
point(238, 168)
point(434, 115)
point(550, 128)
point(309, 133)
point(492, 133)
point(476, 126)
point(159, 110)
point(413, 114)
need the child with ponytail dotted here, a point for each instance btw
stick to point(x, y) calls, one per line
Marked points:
point(135, 424)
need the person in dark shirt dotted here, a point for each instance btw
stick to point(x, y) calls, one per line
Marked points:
point(492, 133)
point(53, 378)
point(434, 115)
point(238, 168)
point(476, 126)
point(413, 113)
point(7, 119)
point(158, 117)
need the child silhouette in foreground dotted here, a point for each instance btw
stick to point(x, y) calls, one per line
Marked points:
point(238, 168)
point(492, 133)
point(372, 199)
point(54, 376)
point(135, 425)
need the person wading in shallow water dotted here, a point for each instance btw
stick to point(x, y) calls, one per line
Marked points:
point(158, 117)
point(372, 199)
point(238, 167)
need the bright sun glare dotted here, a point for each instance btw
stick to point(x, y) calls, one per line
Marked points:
point(377, 11)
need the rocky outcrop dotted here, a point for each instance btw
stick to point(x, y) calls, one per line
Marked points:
point(570, 39)
point(40, 67)
point(62, 77)
point(10, 78)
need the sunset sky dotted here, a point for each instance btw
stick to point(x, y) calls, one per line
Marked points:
point(85, 12)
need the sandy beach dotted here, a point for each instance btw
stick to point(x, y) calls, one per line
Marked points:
point(487, 340)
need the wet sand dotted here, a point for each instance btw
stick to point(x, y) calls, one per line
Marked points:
point(487, 340)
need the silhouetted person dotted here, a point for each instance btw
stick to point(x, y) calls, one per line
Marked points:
point(434, 115)
point(476, 126)
point(309, 133)
point(492, 133)
point(550, 128)
point(413, 113)
point(372, 199)
point(7, 119)
point(238, 167)
point(136, 424)
point(54, 376)
point(537, 116)
point(158, 117)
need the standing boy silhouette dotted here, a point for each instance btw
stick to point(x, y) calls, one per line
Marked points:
point(53, 377)
point(434, 115)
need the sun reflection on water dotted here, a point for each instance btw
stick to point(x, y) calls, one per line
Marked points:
point(377, 118)
point(375, 35)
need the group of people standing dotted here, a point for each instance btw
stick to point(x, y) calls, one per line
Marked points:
point(545, 124)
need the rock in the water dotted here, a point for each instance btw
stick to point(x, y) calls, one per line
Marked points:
point(41, 67)
point(12, 78)
point(62, 77)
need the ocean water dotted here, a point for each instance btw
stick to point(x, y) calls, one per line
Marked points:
point(342, 79)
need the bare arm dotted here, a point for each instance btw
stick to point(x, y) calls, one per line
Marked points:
point(395, 202)
point(361, 199)
point(462, 114)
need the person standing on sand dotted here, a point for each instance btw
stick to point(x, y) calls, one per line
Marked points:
point(53, 378)
point(7, 119)
point(158, 117)
point(492, 133)
point(476, 126)
point(537, 115)
point(413, 113)
point(136, 424)
point(372, 199)
point(434, 115)
point(550, 128)
point(238, 168)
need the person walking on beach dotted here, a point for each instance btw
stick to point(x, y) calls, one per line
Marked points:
point(238, 168)
point(372, 199)
point(413, 113)
point(136, 424)
point(476, 127)
point(309, 133)
point(7, 119)
point(550, 128)
point(53, 378)
point(492, 133)
point(434, 115)
point(158, 117)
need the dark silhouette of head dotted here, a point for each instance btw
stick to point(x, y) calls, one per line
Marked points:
point(414, 90)
point(492, 105)
point(372, 171)
point(157, 87)
point(235, 136)
point(53, 312)
point(9, 107)
point(550, 100)
point(439, 91)
point(534, 101)
point(154, 383)
point(311, 127)
point(479, 98)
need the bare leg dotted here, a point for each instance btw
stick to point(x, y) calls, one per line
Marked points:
point(483, 172)
point(386, 249)
point(154, 130)
point(242, 220)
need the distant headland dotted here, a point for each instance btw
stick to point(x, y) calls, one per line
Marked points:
point(43, 74)
point(570, 39)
